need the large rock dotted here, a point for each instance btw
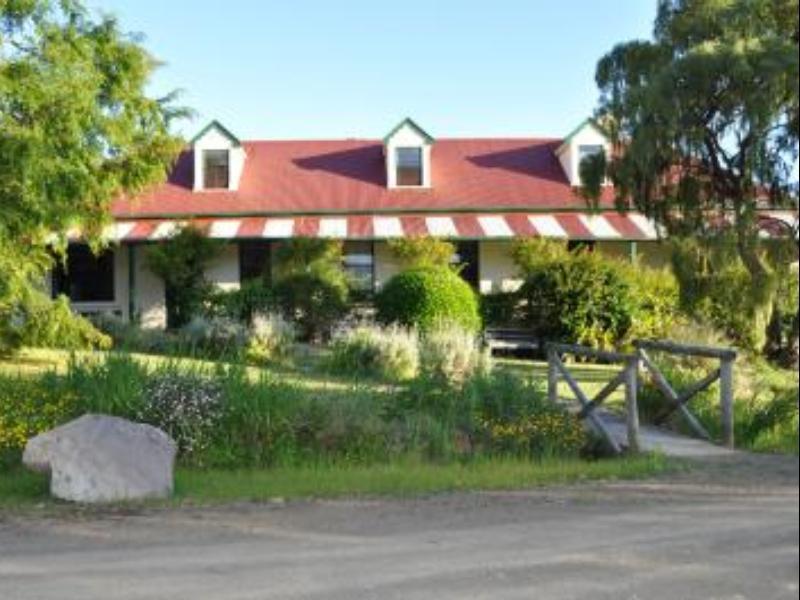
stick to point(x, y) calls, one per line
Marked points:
point(97, 458)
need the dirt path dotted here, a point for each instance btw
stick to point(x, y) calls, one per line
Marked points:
point(728, 529)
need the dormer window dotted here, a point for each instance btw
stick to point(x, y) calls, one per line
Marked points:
point(409, 166)
point(218, 159)
point(216, 169)
point(407, 151)
point(585, 140)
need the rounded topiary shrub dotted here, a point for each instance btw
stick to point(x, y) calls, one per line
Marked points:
point(424, 297)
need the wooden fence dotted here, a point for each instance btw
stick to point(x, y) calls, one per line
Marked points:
point(628, 377)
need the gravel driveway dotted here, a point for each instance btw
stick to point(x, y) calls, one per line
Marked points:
point(726, 530)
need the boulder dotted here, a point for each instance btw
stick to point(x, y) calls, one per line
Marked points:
point(97, 458)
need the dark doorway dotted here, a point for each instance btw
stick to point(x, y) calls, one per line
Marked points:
point(466, 259)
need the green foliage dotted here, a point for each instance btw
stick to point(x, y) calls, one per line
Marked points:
point(425, 296)
point(252, 297)
point(451, 355)
point(77, 130)
point(423, 251)
point(215, 337)
point(181, 261)
point(314, 301)
point(52, 324)
point(270, 338)
point(589, 298)
point(390, 353)
point(715, 287)
point(703, 120)
point(311, 288)
point(582, 299)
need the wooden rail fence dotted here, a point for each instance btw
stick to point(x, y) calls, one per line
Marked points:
point(628, 377)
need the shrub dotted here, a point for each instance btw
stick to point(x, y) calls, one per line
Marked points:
point(581, 299)
point(181, 261)
point(500, 308)
point(132, 337)
point(423, 297)
point(214, 337)
point(451, 355)
point(253, 296)
point(424, 251)
point(185, 406)
point(716, 287)
point(270, 338)
point(313, 301)
point(52, 324)
point(390, 353)
point(29, 407)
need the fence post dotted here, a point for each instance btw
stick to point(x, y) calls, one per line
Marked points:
point(631, 405)
point(726, 400)
point(552, 376)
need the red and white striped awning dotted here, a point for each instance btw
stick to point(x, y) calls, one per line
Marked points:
point(572, 226)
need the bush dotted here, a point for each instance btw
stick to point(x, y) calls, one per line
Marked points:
point(270, 338)
point(181, 262)
point(390, 353)
point(185, 406)
point(252, 297)
point(314, 302)
point(451, 355)
point(420, 252)
point(52, 324)
point(581, 299)
point(29, 407)
point(133, 338)
point(215, 337)
point(423, 297)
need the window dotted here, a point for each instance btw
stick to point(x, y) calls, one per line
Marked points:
point(254, 260)
point(358, 261)
point(86, 278)
point(588, 150)
point(409, 166)
point(215, 169)
point(466, 258)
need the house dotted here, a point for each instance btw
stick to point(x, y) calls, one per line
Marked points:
point(480, 193)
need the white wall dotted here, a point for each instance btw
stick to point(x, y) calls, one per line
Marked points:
point(223, 271)
point(497, 271)
point(214, 139)
point(407, 137)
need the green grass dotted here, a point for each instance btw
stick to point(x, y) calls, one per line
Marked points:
point(20, 489)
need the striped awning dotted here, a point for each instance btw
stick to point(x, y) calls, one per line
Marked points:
point(571, 226)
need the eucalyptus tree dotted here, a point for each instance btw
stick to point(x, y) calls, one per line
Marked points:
point(703, 120)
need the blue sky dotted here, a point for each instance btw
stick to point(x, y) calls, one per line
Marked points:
point(325, 69)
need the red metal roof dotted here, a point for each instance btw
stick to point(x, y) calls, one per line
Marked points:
point(348, 176)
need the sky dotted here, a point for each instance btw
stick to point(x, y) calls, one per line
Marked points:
point(302, 69)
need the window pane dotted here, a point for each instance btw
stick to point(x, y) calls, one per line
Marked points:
point(215, 169)
point(588, 150)
point(409, 166)
point(87, 278)
point(358, 263)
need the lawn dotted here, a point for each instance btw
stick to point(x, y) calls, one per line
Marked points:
point(20, 490)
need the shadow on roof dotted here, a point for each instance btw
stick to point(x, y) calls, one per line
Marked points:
point(182, 174)
point(363, 164)
point(536, 160)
